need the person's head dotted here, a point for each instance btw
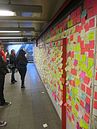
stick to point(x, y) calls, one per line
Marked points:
point(12, 51)
point(22, 52)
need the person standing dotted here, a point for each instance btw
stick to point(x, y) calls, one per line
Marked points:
point(3, 71)
point(12, 60)
point(21, 62)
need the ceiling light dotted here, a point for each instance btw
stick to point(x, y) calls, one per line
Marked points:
point(6, 13)
point(9, 31)
point(11, 37)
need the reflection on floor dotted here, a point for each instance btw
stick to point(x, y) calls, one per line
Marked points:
point(30, 108)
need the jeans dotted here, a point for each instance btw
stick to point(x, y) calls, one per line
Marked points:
point(22, 72)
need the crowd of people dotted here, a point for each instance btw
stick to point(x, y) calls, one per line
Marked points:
point(12, 62)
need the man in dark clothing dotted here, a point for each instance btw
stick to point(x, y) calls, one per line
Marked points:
point(12, 61)
point(3, 71)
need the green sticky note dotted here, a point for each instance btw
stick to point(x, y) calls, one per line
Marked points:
point(91, 35)
point(83, 124)
point(90, 63)
point(77, 48)
point(83, 58)
point(90, 73)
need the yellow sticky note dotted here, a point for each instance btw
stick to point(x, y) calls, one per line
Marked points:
point(77, 82)
point(91, 35)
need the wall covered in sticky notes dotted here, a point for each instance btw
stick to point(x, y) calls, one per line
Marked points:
point(79, 30)
point(80, 73)
point(49, 64)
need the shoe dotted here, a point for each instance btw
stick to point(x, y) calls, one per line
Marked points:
point(12, 82)
point(15, 80)
point(23, 86)
point(3, 123)
point(5, 104)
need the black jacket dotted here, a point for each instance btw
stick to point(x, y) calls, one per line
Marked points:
point(21, 62)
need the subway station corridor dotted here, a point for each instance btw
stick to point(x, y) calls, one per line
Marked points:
point(31, 107)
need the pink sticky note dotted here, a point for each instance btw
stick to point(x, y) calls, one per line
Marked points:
point(91, 53)
point(91, 43)
point(82, 74)
point(75, 62)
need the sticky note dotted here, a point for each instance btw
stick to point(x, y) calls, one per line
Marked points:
point(83, 20)
point(91, 43)
point(95, 104)
point(83, 87)
point(73, 71)
point(88, 91)
point(96, 76)
point(82, 74)
point(91, 35)
point(90, 73)
point(86, 80)
point(95, 95)
point(86, 118)
point(91, 23)
point(82, 103)
point(75, 62)
point(86, 27)
point(87, 108)
point(77, 107)
point(87, 100)
point(91, 53)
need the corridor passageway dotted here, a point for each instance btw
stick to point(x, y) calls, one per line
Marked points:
point(31, 107)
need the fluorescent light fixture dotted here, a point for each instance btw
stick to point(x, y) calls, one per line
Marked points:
point(11, 37)
point(7, 13)
point(9, 31)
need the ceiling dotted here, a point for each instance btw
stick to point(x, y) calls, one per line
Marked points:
point(32, 16)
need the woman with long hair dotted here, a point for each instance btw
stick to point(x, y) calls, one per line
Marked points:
point(21, 62)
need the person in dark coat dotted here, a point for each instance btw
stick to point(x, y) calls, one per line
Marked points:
point(12, 60)
point(21, 62)
point(3, 71)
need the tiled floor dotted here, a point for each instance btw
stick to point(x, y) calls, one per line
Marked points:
point(30, 108)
